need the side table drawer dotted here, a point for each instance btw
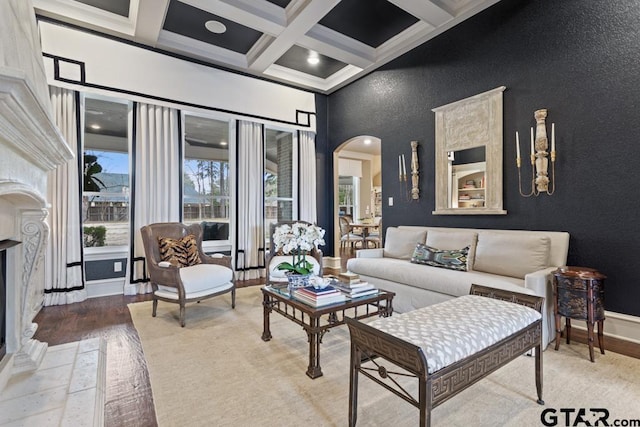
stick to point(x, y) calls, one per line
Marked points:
point(573, 303)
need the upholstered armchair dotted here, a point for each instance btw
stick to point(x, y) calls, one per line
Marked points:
point(273, 258)
point(179, 270)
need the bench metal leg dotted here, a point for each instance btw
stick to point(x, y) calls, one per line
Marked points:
point(353, 385)
point(539, 373)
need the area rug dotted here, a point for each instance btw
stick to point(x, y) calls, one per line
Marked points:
point(218, 371)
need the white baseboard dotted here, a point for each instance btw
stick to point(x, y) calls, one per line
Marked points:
point(104, 288)
point(617, 325)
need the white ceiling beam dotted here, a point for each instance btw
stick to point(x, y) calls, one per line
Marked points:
point(262, 16)
point(412, 37)
point(86, 16)
point(338, 46)
point(425, 10)
point(288, 75)
point(305, 18)
point(195, 48)
point(149, 20)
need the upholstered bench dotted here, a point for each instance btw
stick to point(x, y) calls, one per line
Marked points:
point(447, 346)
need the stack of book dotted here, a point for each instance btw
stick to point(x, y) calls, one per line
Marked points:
point(348, 277)
point(356, 289)
point(319, 297)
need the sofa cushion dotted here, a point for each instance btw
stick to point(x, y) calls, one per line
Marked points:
point(181, 252)
point(454, 239)
point(199, 281)
point(400, 243)
point(441, 280)
point(509, 255)
point(453, 259)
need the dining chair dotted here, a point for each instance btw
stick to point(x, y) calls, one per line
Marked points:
point(347, 237)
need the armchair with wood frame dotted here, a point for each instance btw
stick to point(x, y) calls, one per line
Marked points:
point(179, 270)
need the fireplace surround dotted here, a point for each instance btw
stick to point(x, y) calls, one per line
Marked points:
point(30, 148)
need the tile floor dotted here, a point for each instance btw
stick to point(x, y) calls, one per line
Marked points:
point(68, 389)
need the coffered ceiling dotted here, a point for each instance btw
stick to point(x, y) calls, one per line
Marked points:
point(274, 38)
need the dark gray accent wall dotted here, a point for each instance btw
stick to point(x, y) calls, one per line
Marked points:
point(580, 60)
point(324, 175)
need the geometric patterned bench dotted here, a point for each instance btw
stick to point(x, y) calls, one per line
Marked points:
point(447, 346)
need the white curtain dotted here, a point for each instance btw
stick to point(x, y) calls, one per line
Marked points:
point(65, 282)
point(307, 184)
point(156, 195)
point(250, 214)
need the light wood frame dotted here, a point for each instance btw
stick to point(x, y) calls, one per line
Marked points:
point(468, 123)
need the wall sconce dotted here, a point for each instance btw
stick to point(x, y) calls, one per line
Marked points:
point(539, 162)
point(415, 192)
point(402, 168)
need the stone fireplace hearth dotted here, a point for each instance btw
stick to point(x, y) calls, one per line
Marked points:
point(30, 147)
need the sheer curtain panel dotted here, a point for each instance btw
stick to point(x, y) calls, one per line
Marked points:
point(156, 194)
point(65, 281)
point(307, 168)
point(250, 214)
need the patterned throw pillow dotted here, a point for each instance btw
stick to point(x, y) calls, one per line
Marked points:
point(452, 259)
point(179, 252)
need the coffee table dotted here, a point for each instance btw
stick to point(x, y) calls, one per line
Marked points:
point(317, 321)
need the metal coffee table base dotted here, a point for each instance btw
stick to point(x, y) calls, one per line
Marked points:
point(317, 321)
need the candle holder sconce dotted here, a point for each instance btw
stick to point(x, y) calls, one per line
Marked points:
point(540, 182)
point(415, 192)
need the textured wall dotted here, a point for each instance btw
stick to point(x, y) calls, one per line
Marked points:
point(581, 61)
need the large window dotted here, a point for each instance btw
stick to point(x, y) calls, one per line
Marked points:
point(105, 192)
point(206, 187)
point(280, 183)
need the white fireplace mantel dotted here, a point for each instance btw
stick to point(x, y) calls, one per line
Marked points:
point(25, 123)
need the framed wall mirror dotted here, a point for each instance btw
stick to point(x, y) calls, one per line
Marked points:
point(469, 156)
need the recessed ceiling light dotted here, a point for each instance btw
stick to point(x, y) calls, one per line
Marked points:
point(367, 141)
point(313, 58)
point(95, 126)
point(223, 142)
point(215, 27)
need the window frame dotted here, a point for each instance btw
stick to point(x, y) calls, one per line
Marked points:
point(295, 160)
point(212, 246)
point(106, 252)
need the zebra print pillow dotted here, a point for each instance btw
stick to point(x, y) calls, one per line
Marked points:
point(179, 252)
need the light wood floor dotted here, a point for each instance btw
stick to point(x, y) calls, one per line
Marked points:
point(129, 401)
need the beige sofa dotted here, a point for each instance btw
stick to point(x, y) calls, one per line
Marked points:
point(514, 260)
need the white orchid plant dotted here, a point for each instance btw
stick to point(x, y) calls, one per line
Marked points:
point(297, 239)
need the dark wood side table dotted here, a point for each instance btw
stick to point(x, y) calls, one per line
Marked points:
point(579, 294)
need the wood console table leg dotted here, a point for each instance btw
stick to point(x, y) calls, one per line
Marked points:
point(266, 310)
point(315, 337)
point(601, 336)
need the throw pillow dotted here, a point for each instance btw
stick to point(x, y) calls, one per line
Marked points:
point(181, 252)
point(455, 259)
point(453, 239)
